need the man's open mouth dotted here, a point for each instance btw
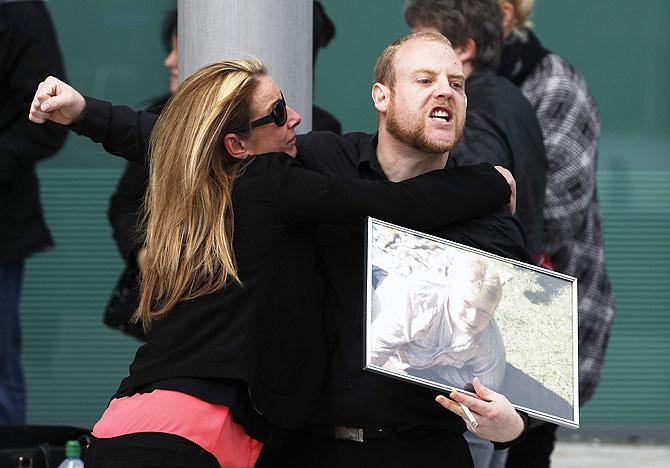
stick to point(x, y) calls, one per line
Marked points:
point(441, 113)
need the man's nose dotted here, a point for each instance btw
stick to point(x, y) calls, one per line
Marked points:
point(443, 88)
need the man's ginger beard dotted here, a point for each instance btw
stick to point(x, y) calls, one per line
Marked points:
point(413, 135)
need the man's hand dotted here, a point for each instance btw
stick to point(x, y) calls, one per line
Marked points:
point(497, 420)
point(512, 185)
point(56, 101)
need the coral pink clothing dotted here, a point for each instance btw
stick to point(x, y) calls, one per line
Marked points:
point(208, 425)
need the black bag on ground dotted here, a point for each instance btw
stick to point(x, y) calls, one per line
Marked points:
point(123, 303)
point(24, 446)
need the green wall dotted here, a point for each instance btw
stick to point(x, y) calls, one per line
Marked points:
point(112, 50)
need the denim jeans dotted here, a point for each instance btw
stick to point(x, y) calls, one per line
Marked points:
point(483, 455)
point(12, 383)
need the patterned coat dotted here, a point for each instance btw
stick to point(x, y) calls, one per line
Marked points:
point(572, 235)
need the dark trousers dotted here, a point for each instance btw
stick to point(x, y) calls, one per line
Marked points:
point(535, 450)
point(12, 382)
point(147, 450)
point(420, 447)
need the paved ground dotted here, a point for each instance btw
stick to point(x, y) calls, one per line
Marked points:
point(605, 455)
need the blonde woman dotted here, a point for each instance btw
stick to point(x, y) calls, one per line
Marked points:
point(230, 290)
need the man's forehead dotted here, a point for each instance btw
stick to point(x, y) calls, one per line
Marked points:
point(427, 54)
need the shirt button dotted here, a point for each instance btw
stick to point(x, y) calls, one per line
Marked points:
point(350, 385)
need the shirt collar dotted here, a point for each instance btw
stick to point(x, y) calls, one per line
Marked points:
point(368, 161)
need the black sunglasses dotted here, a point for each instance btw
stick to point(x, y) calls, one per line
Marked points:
point(278, 116)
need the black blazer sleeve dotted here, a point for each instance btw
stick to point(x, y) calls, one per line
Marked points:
point(425, 202)
point(121, 130)
point(472, 191)
point(498, 233)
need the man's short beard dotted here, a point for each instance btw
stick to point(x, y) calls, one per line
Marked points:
point(415, 137)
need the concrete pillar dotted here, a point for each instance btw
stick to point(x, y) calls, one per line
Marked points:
point(278, 32)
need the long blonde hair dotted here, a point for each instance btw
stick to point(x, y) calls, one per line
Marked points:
point(188, 209)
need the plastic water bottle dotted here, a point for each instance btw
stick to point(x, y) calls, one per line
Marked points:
point(72, 455)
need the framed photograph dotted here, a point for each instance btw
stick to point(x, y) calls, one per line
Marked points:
point(440, 313)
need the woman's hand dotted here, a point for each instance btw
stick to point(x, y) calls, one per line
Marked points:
point(512, 185)
point(57, 101)
point(496, 419)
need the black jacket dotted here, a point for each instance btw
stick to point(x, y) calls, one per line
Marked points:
point(28, 53)
point(501, 128)
point(268, 332)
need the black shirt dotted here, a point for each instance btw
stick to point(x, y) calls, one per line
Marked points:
point(501, 128)
point(353, 397)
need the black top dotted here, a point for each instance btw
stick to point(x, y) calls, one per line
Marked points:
point(352, 397)
point(28, 53)
point(267, 332)
point(501, 128)
point(125, 204)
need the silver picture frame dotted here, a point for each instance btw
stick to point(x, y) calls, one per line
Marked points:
point(439, 313)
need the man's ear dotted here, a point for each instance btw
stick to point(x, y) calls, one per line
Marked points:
point(380, 96)
point(507, 16)
point(467, 52)
point(235, 146)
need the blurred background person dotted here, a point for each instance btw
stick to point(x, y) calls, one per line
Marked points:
point(572, 237)
point(28, 52)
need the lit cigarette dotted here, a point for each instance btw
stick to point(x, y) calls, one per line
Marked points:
point(470, 416)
